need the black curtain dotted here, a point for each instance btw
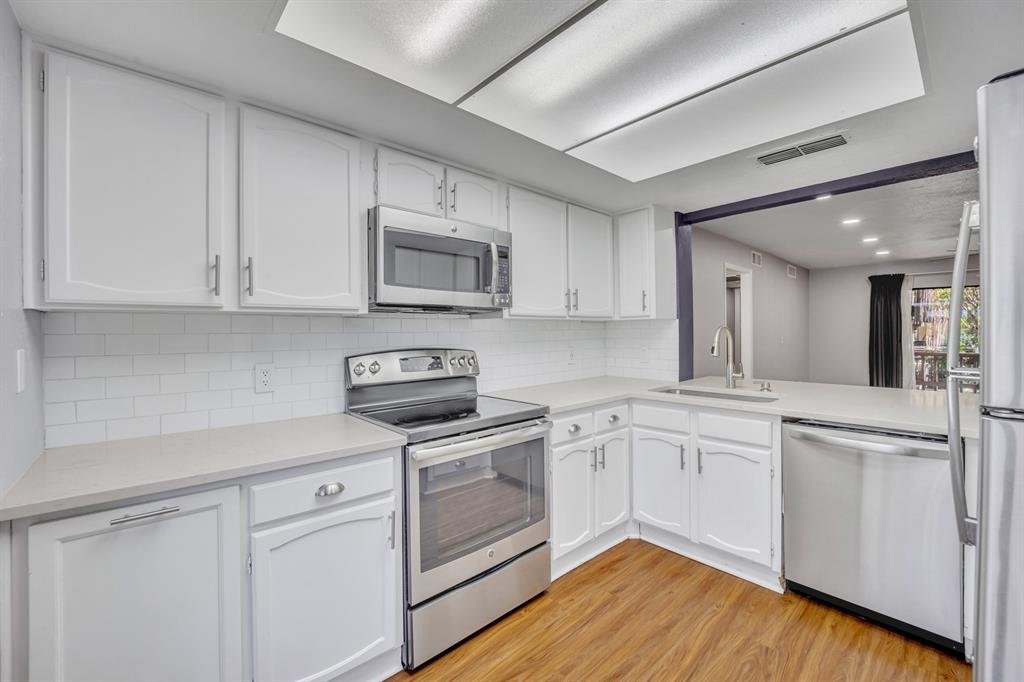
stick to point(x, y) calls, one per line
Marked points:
point(885, 342)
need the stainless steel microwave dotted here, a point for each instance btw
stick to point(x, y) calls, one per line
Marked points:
point(424, 263)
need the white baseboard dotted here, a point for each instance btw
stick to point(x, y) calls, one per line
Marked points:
point(380, 668)
point(584, 553)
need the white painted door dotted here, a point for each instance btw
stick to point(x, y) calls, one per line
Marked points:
point(473, 198)
point(538, 260)
point(661, 471)
point(301, 233)
point(635, 241)
point(134, 188)
point(572, 495)
point(325, 593)
point(734, 499)
point(410, 182)
point(591, 273)
point(155, 598)
point(612, 480)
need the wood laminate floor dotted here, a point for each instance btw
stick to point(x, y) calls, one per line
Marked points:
point(639, 612)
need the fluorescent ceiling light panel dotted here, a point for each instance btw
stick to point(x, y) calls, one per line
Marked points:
point(883, 252)
point(864, 71)
point(869, 240)
point(629, 58)
point(851, 221)
point(444, 48)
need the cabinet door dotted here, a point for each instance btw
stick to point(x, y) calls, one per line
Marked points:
point(612, 480)
point(590, 263)
point(661, 491)
point(409, 182)
point(325, 593)
point(734, 499)
point(300, 224)
point(473, 198)
point(154, 598)
point(572, 495)
point(634, 238)
point(134, 196)
point(537, 224)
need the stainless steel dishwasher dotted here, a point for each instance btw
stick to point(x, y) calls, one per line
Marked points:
point(869, 526)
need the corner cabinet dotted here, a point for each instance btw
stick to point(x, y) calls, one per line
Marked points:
point(539, 285)
point(661, 493)
point(645, 248)
point(301, 237)
point(133, 206)
point(147, 592)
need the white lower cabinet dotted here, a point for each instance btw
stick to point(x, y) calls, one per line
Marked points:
point(611, 480)
point(661, 482)
point(572, 495)
point(734, 499)
point(323, 592)
point(147, 592)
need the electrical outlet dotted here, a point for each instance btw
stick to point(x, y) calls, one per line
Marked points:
point(263, 374)
point(645, 355)
point(20, 369)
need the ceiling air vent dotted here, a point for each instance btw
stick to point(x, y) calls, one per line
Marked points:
point(756, 259)
point(791, 271)
point(804, 149)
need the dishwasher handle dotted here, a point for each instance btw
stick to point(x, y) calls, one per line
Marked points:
point(903, 449)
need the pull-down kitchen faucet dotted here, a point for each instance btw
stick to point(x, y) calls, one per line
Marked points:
point(731, 375)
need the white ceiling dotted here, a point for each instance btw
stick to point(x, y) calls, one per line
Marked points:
point(912, 220)
point(230, 46)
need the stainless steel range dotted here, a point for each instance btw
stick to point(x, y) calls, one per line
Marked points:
point(476, 525)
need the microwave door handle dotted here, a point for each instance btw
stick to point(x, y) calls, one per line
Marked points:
point(477, 446)
point(494, 268)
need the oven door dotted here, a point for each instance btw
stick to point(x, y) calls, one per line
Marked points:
point(474, 502)
point(426, 261)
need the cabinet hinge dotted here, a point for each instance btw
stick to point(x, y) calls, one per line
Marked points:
point(248, 564)
point(773, 550)
point(772, 471)
point(375, 189)
point(375, 156)
point(506, 200)
point(42, 269)
point(42, 80)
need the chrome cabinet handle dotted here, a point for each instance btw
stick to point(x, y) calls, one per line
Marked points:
point(643, 300)
point(613, 419)
point(682, 457)
point(391, 534)
point(603, 456)
point(216, 275)
point(594, 452)
point(576, 299)
point(248, 270)
point(144, 515)
point(440, 196)
point(575, 428)
point(454, 200)
point(328, 489)
point(700, 461)
point(567, 306)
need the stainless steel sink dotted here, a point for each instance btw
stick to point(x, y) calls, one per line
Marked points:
point(725, 394)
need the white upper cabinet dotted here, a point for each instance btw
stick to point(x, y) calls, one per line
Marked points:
point(133, 188)
point(147, 592)
point(661, 488)
point(301, 237)
point(538, 256)
point(635, 242)
point(410, 182)
point(572, 495)
point(473, 198)
point(591, 274)
point(612, 480)
point(325, 595)
point(734, 499)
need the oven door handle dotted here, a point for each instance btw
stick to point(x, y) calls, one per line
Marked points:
point(480, 445)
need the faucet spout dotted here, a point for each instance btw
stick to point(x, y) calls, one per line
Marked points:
point(730, 355)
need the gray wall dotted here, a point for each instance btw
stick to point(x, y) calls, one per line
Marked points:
point(780, 330)
point(21, 415)
point(839, 315)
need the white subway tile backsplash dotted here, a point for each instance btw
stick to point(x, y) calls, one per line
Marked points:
point(291, 394)
point(146, 405)
point(59, 368)
point(243, 397)
point(103, 323)
point(327, 324)
point(158, 364)
point(103, 366)
point(102, 410)
point(208, 323)
point(230, 343)
point(233, 379)
point(186, 421)
point(291, 324)
point(207, 362)
point(59, 413)
point(66, 390)
point(133, 427)
point(232, 416)
point(184, 383)
point(291, 358)
point(59, 323)
point(183, 343)
point(207, 400)
point(75, 434)
point(132, 344)
point(263, 324)
point(270, 413)
point(271, 342)
point(118, 387)
point(68, 345)
point(158, 323)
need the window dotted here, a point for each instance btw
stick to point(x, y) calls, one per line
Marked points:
point(930, 315)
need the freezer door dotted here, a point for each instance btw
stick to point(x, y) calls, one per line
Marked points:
point(1001, 163)
point(999, 650)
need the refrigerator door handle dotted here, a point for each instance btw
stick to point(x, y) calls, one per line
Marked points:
point(966, 526)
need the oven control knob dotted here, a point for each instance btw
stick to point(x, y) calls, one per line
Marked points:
point(462, 361)
point(472, 360)
point(374, 367)
point(359, 369)
point(451, 361)
point(490, 553)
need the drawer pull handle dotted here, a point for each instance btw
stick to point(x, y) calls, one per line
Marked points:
point(328, 489)
point(144, 515)
point(613, 419)
point(575, 428)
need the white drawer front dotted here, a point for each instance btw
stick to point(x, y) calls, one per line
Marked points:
point(740, 429)
point(660, 416)
point(297, 495)
point(572, 426)
point(614, 417)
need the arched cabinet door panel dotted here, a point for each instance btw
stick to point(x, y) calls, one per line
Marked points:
point(572, 496)
point(661, 488)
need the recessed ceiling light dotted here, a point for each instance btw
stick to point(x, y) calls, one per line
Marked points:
point(883, 252)
point(822, 197)
point(851, 221)
point(869, 240)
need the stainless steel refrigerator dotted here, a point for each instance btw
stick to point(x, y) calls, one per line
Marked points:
point(998, 530)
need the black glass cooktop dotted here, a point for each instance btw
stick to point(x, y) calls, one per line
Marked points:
point(439, 418)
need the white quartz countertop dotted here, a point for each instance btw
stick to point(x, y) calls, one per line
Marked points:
point(81, 475)
point(886, 408)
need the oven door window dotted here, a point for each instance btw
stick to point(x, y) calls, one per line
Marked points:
point(470, 503)
point(425, 261)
